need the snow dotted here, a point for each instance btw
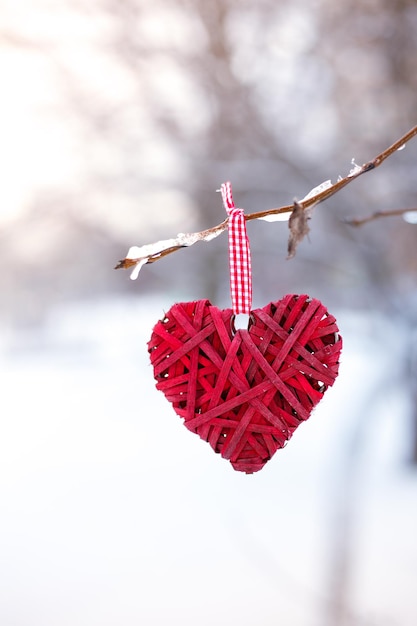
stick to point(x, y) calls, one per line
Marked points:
point(112, 513)
point(316, 190)
point(355, 170)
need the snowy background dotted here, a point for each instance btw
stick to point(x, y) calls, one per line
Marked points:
point(118, 121)
point(112, 512)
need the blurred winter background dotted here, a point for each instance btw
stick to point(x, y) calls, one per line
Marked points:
point(119, 120)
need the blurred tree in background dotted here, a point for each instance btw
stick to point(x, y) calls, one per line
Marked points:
point(152, 105)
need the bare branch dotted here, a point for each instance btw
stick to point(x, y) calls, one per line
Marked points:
point(360, 221)
point(139, 256)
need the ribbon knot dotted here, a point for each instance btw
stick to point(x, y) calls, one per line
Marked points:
point(239, 255)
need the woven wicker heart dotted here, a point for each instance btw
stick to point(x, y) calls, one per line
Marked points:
point(245, 392)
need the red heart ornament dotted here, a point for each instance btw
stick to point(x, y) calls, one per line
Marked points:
point(246, 392)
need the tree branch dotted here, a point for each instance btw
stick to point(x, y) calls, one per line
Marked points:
point(359, 221)
point(139, 256)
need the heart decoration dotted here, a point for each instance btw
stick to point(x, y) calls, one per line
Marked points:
point(245, 392)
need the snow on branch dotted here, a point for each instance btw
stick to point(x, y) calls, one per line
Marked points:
point(297, 213)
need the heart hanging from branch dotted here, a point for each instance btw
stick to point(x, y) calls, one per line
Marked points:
point(245, 391)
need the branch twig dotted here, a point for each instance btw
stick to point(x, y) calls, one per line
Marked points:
point(360, 221)
point(139, 256)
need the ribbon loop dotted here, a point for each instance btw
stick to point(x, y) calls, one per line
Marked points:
point(239, 255)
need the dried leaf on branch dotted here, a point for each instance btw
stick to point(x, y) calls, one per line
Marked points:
point(299, 228)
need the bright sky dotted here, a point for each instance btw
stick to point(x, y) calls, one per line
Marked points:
point(44, 43)
point(28, 139)
point(54, 69)
point(37, 148)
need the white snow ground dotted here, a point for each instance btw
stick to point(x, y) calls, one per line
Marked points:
point(112, 513)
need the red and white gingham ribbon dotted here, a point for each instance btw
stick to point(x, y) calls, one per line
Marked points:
point(239, 255)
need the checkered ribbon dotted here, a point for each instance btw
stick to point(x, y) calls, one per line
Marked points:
point(239, 255)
